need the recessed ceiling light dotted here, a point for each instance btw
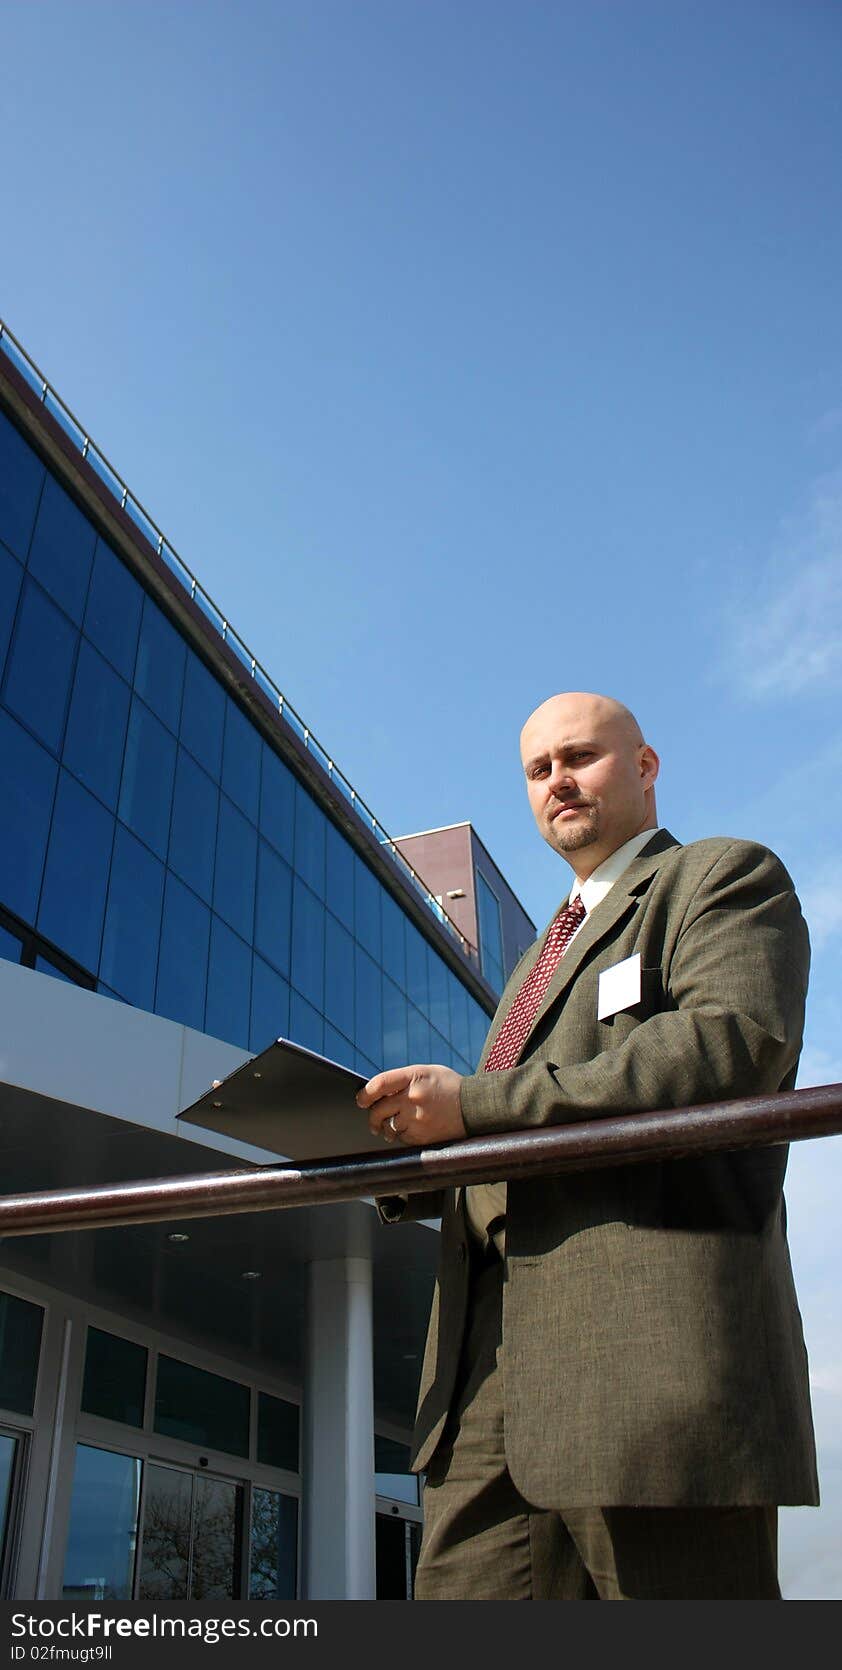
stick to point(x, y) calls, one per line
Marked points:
point(251, 1275)
point(176, 1238)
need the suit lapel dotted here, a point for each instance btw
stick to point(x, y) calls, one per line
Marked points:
point(605, 916)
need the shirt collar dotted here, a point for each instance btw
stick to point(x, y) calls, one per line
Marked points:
point(594, 890)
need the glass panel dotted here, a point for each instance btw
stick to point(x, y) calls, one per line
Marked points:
point(308, 944)
point(278, 1424)
point(217, 1528)
point(21, 478)
point(96, 727)
point(201, 1408)
point(40, 666)
point(112, 618)
point(338, 1048)
point(193, 829)
point(10, 946)
point(306, 1025)
point(417, 981)
point(228, 1006)
point(366, 908)
point(390, 1549)
point(28, 776)
point(241, 761)
point(235, 872)
point(391, 1470)
point(339, 976)
point(183, 959)
point(8, 1464)
point(165, 1547)
point(76, 877)
point(460, 1031)
point(395, 1049)
point(11, 575)
point(277, 802)
point(132, 921)
point(394, 940)
point(273, 913)
point(115, 1378)
point(99, 1564)
point(414, 1532)
point(339, 876)
point(269, 1006)
point(368, 1033)
point(480, 1023)
point(44, 966)
point(159, 674)
point(20, 1349)
point(310, 826)
point(62, 550)
point(148, 769)
point(203, 715)
point(417, 1036)
point(490, 934)
point(274, 1546)
point(439, 1008)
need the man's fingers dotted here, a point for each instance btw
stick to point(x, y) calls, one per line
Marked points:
point(383, 1110)
point(390, 1083)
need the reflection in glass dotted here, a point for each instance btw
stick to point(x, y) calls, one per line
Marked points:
point(490, 933)
point(269, 1006)
point(183, 959)
point(193, 828)
point(339, 876)
point(11, 575)
point(241, 761)
point(227, 1008)
point(278, 1425)
point(29, 779)
point(277, 803)
point(62, 550)
point(418, 1035)
point(391, 1470)
point(99, 1564)
point(309, 841)
point(369, 1008)
point(460, 1032)
point(339, 976)
point(132, 921)
point(439, 1008)
point(76, 877)
point(146, 793)
point(202, 715)
point(306, 1025)
point(236, 865)
point(308, 944)
point(391, 1557)
point(40, 665)
point(273, 913)
point(217, 1529)
point(96, 727)
point(165, 1546)
point(338, 1048)
point(115, 1377)
point(20, 1349)
point(8, 1459)
point(159, 673)
point(10, 946)
point(395, 1053)
point(366, 908)
point(274, 1542)
point(21, 477)
point(200, 1407)
point(112, 617)
point(394, 940)
point(417, 982)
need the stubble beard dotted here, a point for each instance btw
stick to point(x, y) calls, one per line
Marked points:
point(566, 839)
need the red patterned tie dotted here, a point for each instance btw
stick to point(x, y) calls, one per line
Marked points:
point(513, 1033)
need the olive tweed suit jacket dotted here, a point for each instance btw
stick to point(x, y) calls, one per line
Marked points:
point(652, 1345)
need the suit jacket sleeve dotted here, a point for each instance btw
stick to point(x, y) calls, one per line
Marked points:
point(734, 984)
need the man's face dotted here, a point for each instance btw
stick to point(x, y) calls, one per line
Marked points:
point(589, 777)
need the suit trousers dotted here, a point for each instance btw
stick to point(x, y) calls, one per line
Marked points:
point(483, 1541)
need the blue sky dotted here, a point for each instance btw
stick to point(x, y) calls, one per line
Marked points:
point(468, 352)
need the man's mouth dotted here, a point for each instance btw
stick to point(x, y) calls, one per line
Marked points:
point(567, 808)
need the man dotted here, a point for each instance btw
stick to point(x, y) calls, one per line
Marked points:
point(614, 1395)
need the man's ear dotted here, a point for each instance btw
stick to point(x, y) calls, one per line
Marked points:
point(650, 765)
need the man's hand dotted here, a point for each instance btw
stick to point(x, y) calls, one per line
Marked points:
point(414, 1105)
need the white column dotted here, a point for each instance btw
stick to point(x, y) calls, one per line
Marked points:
point(337, 1463)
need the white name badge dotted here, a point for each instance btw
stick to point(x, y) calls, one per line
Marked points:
point(619, 987)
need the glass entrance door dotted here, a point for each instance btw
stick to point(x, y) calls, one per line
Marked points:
point(191, 1536)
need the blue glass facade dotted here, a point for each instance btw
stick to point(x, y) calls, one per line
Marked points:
point(152, 835)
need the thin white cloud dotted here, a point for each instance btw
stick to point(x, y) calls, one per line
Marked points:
point(784, 637)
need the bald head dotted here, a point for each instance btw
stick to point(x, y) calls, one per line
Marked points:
point(590, 776)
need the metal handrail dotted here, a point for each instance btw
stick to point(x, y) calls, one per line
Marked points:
point(117, 487)
point(628, 1139)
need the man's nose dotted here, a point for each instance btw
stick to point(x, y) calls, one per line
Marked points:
point(561, 780)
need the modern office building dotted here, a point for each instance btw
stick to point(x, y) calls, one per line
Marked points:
point(219, 1408)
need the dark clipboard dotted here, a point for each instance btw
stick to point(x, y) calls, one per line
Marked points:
point(294, 1102)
